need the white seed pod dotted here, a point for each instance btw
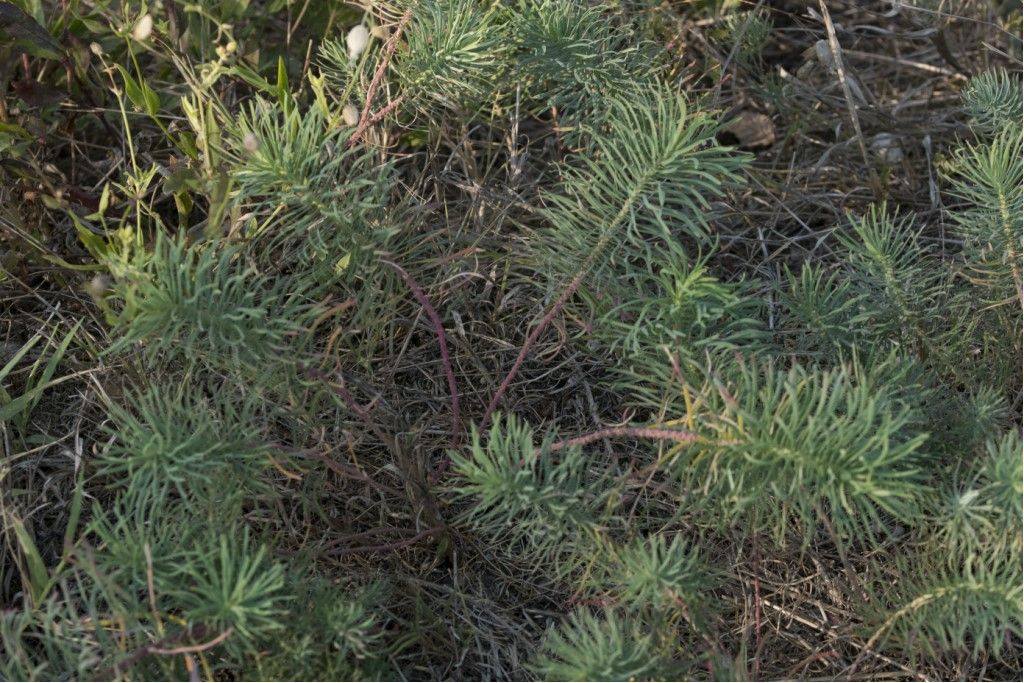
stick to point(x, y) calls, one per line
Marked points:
point(357, 40)
point(143, 28)
point(251, 142)
point(350, 115)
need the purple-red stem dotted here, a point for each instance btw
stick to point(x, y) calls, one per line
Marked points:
point(442, 341)
point(530, 341)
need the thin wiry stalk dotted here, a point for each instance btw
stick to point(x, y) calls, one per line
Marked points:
point(442, 341)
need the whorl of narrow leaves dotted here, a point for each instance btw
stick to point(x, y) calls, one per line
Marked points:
point(822, 312)
point(669, 576)
point(176, 441)
point(994, 100)
point(337, 634)
point(149, 557)
point(199, 301)
point(650, 176)
point(1003, 476)
point(586, 648)
point(969, 606)
point(65, 645)
point(746, 33)
point(521, 489)
point(314, 199)
point(979, 512)
point(902, 289)
point(456, 55)
point(989, 177)
point(574, 57)
point(232, 585)
point(680, 307)
point(140, 537)
point(805, 443)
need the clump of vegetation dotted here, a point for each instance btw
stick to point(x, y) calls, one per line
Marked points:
point(511, 339)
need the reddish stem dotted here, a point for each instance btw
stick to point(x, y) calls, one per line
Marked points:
point(636, 432)
point(365, 119)
point(530, 341)
point(442, 341)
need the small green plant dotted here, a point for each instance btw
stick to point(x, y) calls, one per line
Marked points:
point(590, 649)
point(191, 301)
point(994, 100)
point(522, 487)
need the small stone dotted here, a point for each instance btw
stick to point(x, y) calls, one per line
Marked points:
point(887, 147)
point(752, 130)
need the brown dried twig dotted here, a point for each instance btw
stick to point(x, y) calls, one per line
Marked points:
point(442, 341)
point(193, 632)
point(655, 433)
point(837, 57)
point(365, 118)
point(385, 547)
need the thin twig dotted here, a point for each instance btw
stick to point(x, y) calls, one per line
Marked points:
point(835, 635)
point(201, 647)
point(344, 470)
point(365, 119)
point(635, 432)
point(350, 401)
point(384, 547)
point(837, 57)
point(757, 607)
point(154, 648)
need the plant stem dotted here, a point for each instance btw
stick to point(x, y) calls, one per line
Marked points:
point(442, 342)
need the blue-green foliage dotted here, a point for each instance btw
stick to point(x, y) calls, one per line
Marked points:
point(588, 648)
point(188, 302)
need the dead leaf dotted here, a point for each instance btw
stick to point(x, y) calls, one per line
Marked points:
point(26, 32)
point(36, 94)
point(752, 130)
